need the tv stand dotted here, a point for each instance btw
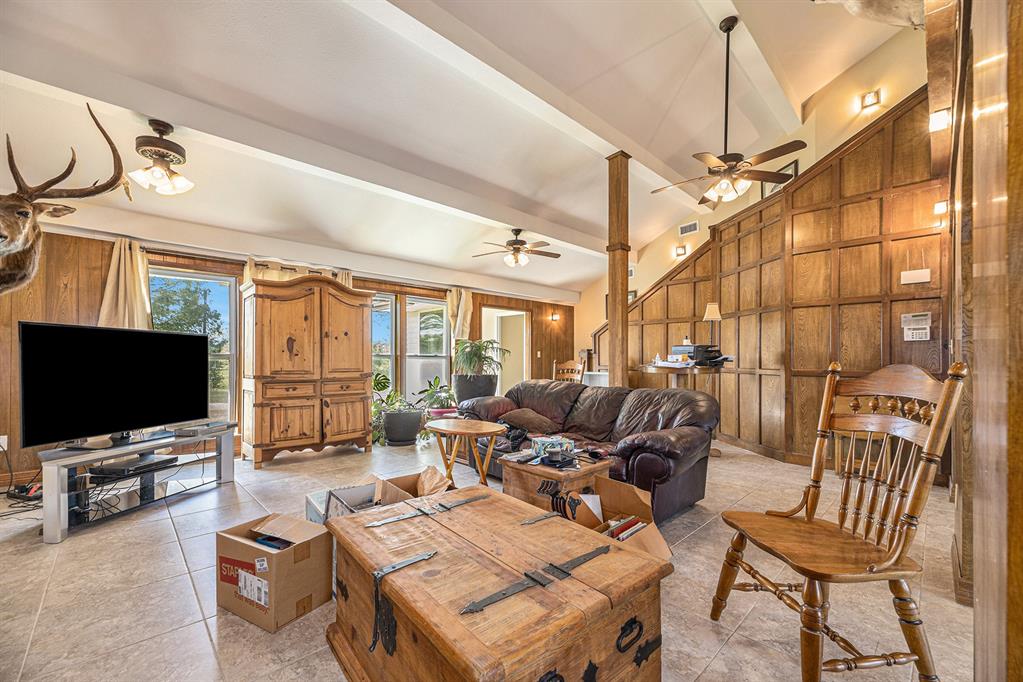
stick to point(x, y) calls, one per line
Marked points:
point(116, 440)
point(60, 465)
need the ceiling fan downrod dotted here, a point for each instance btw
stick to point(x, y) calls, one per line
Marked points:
point(726, 26)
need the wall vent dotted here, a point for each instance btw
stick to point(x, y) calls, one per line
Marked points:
point(688, 228)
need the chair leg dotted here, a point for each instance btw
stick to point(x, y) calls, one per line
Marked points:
point(913, 629)
point(729, 569)
point(813, 616)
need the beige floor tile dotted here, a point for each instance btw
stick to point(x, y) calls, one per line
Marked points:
point(15, 633)
point(213, 520)
point(78, 573)
point(182, 654)
point(73, 634)
point(208, 497)
point(246, 651)
point(205, 582)
point(200, 551)
point(320, 666)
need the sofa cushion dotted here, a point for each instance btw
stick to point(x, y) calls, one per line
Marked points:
point(649, 409)
point(595, 411)
point(552, 399)
point(532, 422)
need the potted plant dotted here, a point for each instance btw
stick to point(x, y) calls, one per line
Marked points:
point(438, 398)
point(395, 421)
point(476, 366)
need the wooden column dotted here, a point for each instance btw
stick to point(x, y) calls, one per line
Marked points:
point(618, 268)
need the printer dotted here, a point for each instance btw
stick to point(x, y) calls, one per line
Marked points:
point(704, 355)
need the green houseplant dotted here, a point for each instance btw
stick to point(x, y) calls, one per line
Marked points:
point(476, 366)
point(395, 421)
point(438, 398)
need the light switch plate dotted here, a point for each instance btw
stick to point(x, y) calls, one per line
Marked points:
point(537, 353)
point(916, 276)
point(3, 442)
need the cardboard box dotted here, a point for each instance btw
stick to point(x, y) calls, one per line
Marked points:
point(618, 499)
point(426, 482)
point(272, 587)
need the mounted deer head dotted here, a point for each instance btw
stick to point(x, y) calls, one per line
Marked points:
point(20, 237)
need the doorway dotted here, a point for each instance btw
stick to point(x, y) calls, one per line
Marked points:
point(510, 328)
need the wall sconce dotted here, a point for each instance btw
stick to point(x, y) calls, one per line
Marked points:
point(939, 120)
point(681, 251)
point(940, 207)
point(870, 99)
point(555, 317)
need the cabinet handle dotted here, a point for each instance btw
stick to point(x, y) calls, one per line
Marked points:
point(326, 403)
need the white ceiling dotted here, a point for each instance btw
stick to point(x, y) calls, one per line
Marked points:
point(410, 132)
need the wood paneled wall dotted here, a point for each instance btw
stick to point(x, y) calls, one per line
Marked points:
point(68, 288)
point(553, 339)
point(810, 275)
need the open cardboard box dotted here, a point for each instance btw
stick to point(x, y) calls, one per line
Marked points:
point(271, 587)
point(426, 482)
point(618, 499)
point(372, 492)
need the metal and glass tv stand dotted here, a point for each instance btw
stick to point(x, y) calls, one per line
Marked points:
point(71, 498)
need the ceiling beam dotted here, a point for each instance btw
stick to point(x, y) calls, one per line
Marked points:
point(444, 36)
point(54, 64)
point(748, 56)
point(213, 240)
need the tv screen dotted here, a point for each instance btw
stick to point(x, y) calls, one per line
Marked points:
point(79, 381)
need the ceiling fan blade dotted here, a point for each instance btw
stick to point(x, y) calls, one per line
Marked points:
point(488, 253)
point(709, 160)
point(781, 150)
point(548, 254)
point(537, 245)
point(502, 246)
point(661, 189)
point(766, 176)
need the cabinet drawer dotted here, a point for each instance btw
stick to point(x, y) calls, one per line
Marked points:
point(304, 390)
point(353, 386)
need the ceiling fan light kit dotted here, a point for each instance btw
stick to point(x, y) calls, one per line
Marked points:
point(163, 153)
point(517, 251)
point(731, 173)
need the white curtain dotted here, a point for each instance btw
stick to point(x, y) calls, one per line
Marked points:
point(126, 295)
point(459, 313)
point(279, 271)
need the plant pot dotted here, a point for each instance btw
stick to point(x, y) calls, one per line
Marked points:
point(401, 428)
point(468, 386)
point(441, 412)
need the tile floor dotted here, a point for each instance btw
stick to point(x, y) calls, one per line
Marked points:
point(133, 597)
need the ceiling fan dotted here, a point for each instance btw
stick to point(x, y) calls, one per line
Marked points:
point(731, 173)
point(516, 250)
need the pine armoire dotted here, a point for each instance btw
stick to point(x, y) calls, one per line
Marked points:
point(306, 366)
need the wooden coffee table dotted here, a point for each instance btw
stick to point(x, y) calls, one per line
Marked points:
point(522, 481)
point(452, 434)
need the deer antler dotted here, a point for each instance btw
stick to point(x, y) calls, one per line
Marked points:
point(45, 191)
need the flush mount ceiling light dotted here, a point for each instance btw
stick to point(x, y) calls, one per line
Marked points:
point(164, 154)
point(870, 99)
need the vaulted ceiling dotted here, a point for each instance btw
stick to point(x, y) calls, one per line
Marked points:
point(394, 138)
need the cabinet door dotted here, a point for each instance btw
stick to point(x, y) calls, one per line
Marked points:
point(345, 335)
point(290, 321)
point(294, 422)
point(345, 417)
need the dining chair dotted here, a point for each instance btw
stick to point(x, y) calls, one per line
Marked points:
point(570, 370)
point(897, 420)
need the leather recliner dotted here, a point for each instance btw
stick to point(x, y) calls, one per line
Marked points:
point(658, 439)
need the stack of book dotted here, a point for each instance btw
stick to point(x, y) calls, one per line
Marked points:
point(625, 527)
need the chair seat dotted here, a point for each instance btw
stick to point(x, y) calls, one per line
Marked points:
point(817, 549)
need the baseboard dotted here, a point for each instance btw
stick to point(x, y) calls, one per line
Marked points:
point(962, 586)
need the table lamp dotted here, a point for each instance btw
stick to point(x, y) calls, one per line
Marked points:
point(712, 315)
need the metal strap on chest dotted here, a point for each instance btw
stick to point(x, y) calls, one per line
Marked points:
point(538, 519)
point(426, 511)
point(534, 578)
point(384, 625)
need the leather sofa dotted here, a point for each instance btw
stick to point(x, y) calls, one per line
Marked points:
point(658, 439)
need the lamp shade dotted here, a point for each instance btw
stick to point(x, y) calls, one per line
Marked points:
point(713, 313)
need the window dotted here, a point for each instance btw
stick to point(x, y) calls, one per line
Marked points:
point(201, 303)
point(426, 343)
point(382, 338)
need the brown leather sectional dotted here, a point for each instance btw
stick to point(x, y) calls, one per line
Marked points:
point(659, 439)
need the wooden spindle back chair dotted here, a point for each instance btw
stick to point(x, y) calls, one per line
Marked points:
point(896, 422)
point(570, 370)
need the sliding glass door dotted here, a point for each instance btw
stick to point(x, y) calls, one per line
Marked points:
point(383, 336)
point(427, 353)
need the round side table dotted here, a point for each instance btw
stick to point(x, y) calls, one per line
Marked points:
point(462, 431)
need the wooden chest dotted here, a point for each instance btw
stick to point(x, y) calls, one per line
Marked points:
point(526, 482)
point(587, 608)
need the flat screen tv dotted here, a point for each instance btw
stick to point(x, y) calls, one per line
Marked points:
point(79, 382)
